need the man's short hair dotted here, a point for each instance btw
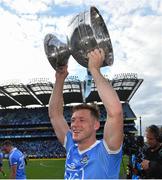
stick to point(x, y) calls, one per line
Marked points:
point(93, 108)
point(155, 131)
point(7, 143)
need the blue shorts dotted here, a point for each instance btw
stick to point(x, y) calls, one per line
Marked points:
point(1, 164)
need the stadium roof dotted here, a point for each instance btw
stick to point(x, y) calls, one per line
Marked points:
point(38, 91)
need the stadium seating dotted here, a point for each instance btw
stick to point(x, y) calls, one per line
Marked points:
point(31, 130)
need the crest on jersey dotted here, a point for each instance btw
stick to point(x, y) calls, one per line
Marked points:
point(84, 159)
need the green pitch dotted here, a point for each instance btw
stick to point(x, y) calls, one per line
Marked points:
point(48, 168)
point(41, 169)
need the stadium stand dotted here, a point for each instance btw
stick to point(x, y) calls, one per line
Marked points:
point(30, 128)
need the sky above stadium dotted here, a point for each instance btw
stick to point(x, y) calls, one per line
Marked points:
point(135, 29)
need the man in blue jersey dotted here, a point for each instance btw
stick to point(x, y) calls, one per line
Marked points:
point(1, 164)
point(16, 161)
point(87, 157)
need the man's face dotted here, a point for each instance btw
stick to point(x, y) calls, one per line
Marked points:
point(83, 125)
point(6, 149)
point(151, 140)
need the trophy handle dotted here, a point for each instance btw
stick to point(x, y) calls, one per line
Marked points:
point(56, 51)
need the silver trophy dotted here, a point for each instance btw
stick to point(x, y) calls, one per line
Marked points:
point(88, 31)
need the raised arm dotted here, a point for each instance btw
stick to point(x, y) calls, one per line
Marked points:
point(113, 130)
point(56, 105)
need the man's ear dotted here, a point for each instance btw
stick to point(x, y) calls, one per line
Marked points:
point(97, 125)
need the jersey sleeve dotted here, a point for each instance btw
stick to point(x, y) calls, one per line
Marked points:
point(13, 160)
point(68, 142)
point(110, 151)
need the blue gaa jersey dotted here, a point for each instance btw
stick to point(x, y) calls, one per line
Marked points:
point(96, 162)
point(16, 157)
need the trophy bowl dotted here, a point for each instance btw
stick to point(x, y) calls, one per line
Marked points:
point(88, 31)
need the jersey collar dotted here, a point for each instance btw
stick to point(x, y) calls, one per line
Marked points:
point(91, 147)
